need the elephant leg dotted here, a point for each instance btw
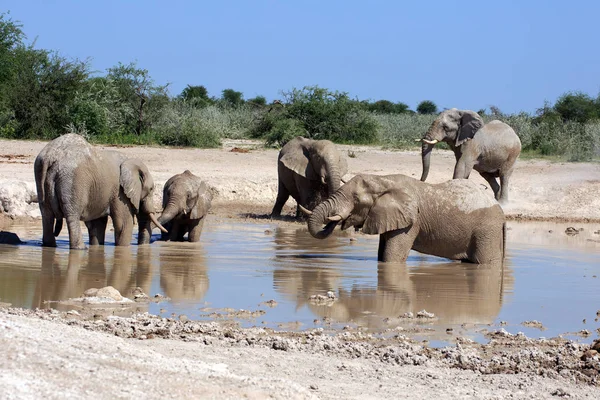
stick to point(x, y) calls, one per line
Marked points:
point(48, 239)
point(504, 178)
point(75, 236)
point(491, 179)
point(282, 197)
point(195, 230)
point(487, 248)
point(97, 230)
point(123, 230)
point(394, 246)
point(463, 168)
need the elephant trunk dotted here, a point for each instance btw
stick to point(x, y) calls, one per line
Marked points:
point(426, 158)
point(328, 213)
point(169, 213)
point(333, 176)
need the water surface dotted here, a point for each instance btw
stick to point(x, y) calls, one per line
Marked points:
point(548, 276)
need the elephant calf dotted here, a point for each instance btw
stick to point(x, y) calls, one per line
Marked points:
point(186, 201)
point(309, 171)
point(454, 219)
point(491, 149)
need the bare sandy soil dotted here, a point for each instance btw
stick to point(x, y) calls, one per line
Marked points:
point(58, 355)
point(247, 181)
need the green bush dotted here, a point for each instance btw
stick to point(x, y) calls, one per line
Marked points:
point(320, 114)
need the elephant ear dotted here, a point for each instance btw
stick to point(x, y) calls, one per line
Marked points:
point(299, 163)
point(202, 202)
point(395, 209)
point(470, 123)
point(136, 181)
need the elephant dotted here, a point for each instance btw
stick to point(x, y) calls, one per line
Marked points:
point(454, 219)
point(491, 149)
point(309, 171)
point(77, 182)
point(186, 201)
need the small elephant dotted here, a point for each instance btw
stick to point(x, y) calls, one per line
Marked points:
point(454, 219)
point(491, 149)
point(309, 171)
point(77, 182)
point(186, 201)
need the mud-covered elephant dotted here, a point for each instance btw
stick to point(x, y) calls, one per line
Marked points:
point(309, 171)
point(77, 182)
point(491, 149)
point(186, 202)
point(454, 219)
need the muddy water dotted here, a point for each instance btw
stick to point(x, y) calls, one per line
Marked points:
point(548, 276)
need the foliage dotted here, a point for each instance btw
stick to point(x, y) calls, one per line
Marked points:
point(232, 98)
point(427, 107)
point(388, 107)
point(43, 94)
point(577, 107)
point(319, 114)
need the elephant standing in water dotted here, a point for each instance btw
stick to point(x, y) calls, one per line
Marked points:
point(79, 183)
point(309, 171)
point(186, 201)
point(454, 219)
point(491, 149)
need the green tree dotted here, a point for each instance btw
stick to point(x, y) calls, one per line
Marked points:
point(232, 98)
point(194, 92)
point(317, 113)
point(141, 100)
point(259, 101)
point(43, 90)
point(577, 107)
point(427, 107)
point(387, 107)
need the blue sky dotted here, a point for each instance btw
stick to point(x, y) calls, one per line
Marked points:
point(467, 54)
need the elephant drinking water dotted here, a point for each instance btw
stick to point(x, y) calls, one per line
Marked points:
point(77, 182)
point(454, 219)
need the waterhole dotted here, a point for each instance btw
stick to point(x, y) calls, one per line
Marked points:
point(263, 274)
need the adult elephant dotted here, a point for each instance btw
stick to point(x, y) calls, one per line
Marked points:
point(454, 219)
point(309, 171)
point(77, 182)
point(186, 201)
point(491, 149)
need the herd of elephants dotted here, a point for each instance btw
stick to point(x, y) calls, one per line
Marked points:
point(455, 219)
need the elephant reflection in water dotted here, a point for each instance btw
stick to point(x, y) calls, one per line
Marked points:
point(302, 278)
point(67, 275)
point(183, 272)
point(454, 292)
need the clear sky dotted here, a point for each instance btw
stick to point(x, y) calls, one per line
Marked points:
point(465, 54)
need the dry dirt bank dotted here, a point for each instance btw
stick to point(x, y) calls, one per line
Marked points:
point(247, 181)
point(57, 355)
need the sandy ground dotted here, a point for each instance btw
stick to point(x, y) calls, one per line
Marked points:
point(539, 189)
point(57, 355)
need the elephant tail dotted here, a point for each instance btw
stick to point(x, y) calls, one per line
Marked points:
point(504, 240)
point(58, 226)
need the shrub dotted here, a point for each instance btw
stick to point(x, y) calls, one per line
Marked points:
point(427, 107)
point(319, 114)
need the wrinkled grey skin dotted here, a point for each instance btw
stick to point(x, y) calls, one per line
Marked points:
point(79, 183)
point(309, 171)
point(491, 149)
point(186, 201)
point(454, 219)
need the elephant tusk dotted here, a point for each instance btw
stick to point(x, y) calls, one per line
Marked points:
point(304, 210)
point(335, 218)
point(343, 180)
point(155, 222)
point(434, 141)
point(418, 140)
